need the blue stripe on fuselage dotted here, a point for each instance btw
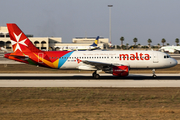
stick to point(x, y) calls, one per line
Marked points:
point(63, 59)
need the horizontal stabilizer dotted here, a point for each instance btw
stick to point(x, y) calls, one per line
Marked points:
point(17, 56)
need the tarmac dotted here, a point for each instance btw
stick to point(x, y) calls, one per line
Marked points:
point(86, 80)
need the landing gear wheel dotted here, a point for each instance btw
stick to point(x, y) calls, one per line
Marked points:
point(154, 74)
point(95, 75)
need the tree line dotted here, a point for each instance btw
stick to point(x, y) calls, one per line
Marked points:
point(149, 41)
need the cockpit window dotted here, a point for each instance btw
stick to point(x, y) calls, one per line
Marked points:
point(167, 56)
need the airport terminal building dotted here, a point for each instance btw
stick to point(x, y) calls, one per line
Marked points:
point(51, 43)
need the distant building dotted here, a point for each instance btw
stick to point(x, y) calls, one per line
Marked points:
point(89, 40)
point(51, 43)
point(84, 41)
point(42, 43)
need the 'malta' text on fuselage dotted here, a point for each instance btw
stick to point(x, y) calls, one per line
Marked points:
point(141, 56)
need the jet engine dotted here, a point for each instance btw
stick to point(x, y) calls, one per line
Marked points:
point(118, 70)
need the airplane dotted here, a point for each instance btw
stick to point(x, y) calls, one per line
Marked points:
point(117, 63)
point(170, 49)
point(94, 46)
point(3, 49)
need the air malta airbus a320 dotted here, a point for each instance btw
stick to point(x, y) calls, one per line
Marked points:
point(117, 63)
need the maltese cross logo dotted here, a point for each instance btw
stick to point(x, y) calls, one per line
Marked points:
point(17, 43)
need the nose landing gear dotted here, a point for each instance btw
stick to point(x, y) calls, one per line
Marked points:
point(154, 74)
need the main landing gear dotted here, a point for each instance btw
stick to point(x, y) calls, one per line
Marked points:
point(154, 74)
point(95, 74)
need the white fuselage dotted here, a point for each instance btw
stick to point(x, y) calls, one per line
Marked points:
point(133, 59)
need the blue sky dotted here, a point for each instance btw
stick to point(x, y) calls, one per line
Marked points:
point(143, 19)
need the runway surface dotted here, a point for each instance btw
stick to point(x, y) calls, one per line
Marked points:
point(86, 80)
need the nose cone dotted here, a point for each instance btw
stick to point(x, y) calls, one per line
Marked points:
point(173, 62)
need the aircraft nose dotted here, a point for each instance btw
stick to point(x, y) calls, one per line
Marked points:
point(173, 62)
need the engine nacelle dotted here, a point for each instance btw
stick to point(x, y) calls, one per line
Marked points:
point(120, 70)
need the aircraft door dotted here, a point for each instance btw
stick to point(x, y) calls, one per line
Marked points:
point(155, 58)
point(40, 57)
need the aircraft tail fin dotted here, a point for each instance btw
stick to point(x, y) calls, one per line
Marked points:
point(95, 43)
point(19, 40)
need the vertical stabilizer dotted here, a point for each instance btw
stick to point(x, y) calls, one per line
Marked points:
point(19, 40)
point(95, 43)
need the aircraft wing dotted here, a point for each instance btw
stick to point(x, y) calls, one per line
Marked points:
point(101, 65)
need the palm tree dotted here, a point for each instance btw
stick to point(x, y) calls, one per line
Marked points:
point(127, 45)
point(139, 45)
point(158, 45)
point(122, 39)
point(135, 41)
point(177, 41)
point(163, 41)
point(167, 44)
point(149, 41)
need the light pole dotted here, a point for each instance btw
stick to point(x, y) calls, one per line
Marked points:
point(110, 22)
